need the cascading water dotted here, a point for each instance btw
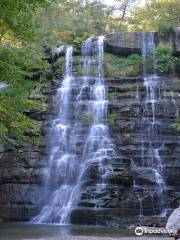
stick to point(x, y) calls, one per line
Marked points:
point(98, 148)
point(77, 144)
point(150, 133)
point(61, 160)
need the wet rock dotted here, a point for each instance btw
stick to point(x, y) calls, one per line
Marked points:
point(31, 133)
point(154, 221)
point(123, 43)
point(144, 176)
point(39, 115)
point(172, 175)
point(1, 148)
point(118, 203)
point(23, 165)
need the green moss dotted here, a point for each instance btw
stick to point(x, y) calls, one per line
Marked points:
point(177, 123)
point(122, 66)
point(114, 66)
point(112, 95)
point(14, 101)
point(59, 65)
point(165, 61)
point(112, 118)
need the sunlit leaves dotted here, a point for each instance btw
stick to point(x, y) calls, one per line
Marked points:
point(156, 15)
point(17, 18)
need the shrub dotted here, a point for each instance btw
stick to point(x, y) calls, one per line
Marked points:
point(165, 61)
point(112, 117)
point(123, 66)
point(177, 123)
point(17, 68)
point(13, 103)
point(18, 63)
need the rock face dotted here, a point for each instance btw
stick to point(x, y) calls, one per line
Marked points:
point(123, 43)
point(22, 167)
point(177, 39)
point(20, 181)
point(118, 204)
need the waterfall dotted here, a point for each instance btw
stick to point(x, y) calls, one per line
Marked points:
point(61, 160)
point(152, 143)
point(75, 143)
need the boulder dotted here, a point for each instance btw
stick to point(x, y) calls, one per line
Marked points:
point(123, 43)
point(144, 176)
point(173, 222)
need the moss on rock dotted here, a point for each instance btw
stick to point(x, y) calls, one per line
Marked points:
point(122, 66)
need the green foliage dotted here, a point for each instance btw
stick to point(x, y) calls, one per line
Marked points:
point(74, 21)
point(156, 15)
point(13, 103)
point(78, 41)
point(17, 66)
point(17, 18)
point(113, 95)
point(18, 63)
point(177, 123)
point(165, 61)
point(122, 66)
point(59, 67)
point(112, 118)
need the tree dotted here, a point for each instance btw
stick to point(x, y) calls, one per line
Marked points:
point(68, 21)
point(17, 18)
point(123, 7)
point(156, 15)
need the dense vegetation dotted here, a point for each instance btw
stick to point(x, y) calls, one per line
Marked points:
point(166, 62)
point(157, 15)
point(129, 66)
point(28, 28)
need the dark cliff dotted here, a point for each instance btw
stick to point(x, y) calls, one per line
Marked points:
point(22, 166)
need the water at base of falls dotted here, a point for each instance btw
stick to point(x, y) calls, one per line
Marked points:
point(76, 143)
point(152, 144)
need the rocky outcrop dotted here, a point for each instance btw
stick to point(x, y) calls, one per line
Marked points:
point(126, 43)
point(173, 222)
point(123, 43)
point(118, 203)
point(21, 181)
point(23, 167)
point(177, 39)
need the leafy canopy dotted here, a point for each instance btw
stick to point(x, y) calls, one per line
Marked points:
point(17, 18)
point(157, 15)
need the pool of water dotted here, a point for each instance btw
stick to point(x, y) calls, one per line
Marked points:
point(17, 231)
